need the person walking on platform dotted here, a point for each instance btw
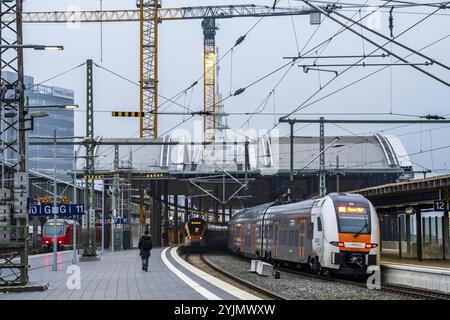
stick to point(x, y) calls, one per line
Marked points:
point(145, 245)
point(164, 239)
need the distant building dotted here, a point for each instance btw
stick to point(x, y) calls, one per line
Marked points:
point(61, 120)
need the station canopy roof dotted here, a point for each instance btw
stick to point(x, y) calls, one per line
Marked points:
point(266, 155)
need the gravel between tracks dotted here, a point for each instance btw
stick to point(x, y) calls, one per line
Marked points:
point(297, 287)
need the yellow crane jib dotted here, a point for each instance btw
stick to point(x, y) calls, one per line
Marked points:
point(149, 14)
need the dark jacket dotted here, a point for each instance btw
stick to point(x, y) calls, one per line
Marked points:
point(145, 245)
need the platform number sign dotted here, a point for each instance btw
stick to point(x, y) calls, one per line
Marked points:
point(440, 205)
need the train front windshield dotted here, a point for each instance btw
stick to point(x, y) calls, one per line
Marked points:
point(51, 228)
point(196, 227)
point(353, 219)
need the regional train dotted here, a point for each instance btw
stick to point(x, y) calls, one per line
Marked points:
point(64, 233)
point(201, 234)
point(336, 234)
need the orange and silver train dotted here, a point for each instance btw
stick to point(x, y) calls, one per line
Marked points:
point(201, 234)
point(338, 234)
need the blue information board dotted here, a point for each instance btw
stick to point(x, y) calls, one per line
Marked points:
point(121, 221)
point(63, 210)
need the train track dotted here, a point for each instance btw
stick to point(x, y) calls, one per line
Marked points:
point(200, 261)
point(416, 292)
point(396, 289)
point(405, 291)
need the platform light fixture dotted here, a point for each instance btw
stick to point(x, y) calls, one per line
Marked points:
point(32, 46)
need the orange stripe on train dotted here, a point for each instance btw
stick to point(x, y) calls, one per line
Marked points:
point(350, 237)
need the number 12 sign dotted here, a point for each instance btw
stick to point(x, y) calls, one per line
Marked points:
point(440, 205)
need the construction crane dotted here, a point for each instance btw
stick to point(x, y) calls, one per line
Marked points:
point(149, 14)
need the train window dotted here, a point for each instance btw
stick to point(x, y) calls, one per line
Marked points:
point(319, 224)
point(291, 238)
point(51, 228)
point(309, 234)
point(296, 238)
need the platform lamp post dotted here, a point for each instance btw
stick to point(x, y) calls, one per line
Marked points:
point(75, 189)
point(55, 205)
point(55, 210)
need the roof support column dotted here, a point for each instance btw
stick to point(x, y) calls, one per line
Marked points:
point(418, 233)
point(155, 219)
point(445, 226)
point(166, 209)
point(175, 218)
point(186, 208)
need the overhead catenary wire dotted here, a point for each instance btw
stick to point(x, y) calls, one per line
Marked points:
point(330, 81)
point(392, 40)
point(367, 76)
point(322, 44)
point(55, 76)
point(137, 84)
point(294, 30)
point(328, 13)
point(304, 104)
point(401, 4)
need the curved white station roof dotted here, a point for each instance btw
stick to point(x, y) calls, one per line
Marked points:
point(266, 155)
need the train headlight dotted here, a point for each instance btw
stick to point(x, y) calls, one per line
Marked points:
point(337, 244)
point(201, 238)
point(371, 245)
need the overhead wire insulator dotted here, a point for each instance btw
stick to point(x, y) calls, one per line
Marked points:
point(391, 22)
point(239, 91)
point(239, 40)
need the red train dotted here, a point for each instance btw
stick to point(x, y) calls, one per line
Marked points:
point(64, 234)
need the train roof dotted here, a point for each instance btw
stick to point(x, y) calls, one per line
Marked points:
point(271, 207)
point(68, 221)
point(347, 197)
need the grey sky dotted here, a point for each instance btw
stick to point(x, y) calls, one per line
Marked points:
point(181, 63)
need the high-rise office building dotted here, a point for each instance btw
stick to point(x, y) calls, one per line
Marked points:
point(62, 120)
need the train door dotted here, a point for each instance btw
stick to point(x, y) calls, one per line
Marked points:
point(276, 239)
point(318, 235)
point(301, 238)
point(241, 237)
point(253, 237)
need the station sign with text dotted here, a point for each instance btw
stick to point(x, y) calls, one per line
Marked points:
point(63, 210)
point(440, 205)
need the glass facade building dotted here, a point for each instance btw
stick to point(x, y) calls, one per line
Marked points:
point(40, 158)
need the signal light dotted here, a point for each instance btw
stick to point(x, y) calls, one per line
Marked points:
point(371, 245)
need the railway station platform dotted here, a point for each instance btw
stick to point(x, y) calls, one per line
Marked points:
point(426, 274)
point(119, 276)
